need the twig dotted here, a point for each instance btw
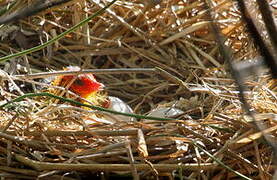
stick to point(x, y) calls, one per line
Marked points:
point(86, 71)
point(45, 166)
point(131, 160)
point(269, 23)
point(52, 133)
point(270, 60)
point(19, 171)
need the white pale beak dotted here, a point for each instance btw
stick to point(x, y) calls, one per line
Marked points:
point(117, 104)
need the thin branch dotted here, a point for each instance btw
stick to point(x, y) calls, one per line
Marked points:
point(269, 22)
point(270, 60)
point(41, 166)
point(86, 71)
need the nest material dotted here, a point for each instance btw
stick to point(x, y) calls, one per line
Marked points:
point(42, 139)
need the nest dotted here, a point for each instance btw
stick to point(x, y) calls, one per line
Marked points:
point(212, 139)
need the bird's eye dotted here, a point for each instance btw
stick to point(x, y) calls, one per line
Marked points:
point(79, 82)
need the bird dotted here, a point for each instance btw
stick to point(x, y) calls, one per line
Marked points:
point(92, 92)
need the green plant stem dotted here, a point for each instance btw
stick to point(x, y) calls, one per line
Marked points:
point(20, 98)
point(36, 48)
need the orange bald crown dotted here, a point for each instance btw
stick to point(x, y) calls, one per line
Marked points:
point(83, 85)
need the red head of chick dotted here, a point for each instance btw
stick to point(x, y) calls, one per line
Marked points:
point(87, 87)
point(84, 85)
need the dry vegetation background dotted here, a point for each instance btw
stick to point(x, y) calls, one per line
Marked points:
point(40, 139)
